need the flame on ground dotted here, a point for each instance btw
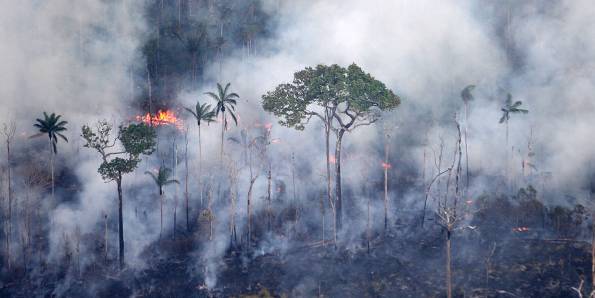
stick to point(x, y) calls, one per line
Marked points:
point(166, 117)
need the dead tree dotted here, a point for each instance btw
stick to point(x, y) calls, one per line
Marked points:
point(447, 215)
point(8, 130)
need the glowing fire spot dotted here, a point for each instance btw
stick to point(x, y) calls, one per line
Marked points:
point(275, 141)
point(520, 229)
point(166, 117)
point(332, 159)
point(268, 126)
point(386, 166)
point(469, 202)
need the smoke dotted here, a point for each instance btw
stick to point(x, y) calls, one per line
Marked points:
point(427, 52)
point(80, 60)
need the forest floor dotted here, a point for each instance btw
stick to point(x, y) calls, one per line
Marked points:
point(402, 264)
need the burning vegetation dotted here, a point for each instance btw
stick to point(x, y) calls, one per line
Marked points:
point(325, 187)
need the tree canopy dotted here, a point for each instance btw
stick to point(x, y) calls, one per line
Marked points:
point(347, 92)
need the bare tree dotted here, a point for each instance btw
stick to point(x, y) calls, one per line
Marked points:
point(8, 130)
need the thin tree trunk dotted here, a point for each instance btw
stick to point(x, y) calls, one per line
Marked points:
point(161, 213)
point(120, 221)
point(328, 173)
point(448, 266)
point(339, 201)
point(9, 236)
point(507, 161)
point(269, 210)
point(200, 166)
point(222, 133)
point(106, 242)
point(386, 165)
point(466, 147)
point(52, 167)
point(186, 194)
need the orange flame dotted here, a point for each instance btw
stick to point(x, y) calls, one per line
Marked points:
point(386, 166)
point(166, 117)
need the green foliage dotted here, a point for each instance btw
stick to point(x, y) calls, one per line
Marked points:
point(202, 113)
point(162, 178)
point(53, 127)
point(113, 169)
point(226, 102)
point(136, 139)
point(328, 87)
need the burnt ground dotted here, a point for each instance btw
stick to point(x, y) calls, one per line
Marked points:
point(397, 265)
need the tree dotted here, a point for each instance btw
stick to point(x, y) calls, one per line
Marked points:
point(161, 180)
point(135, 139)
point(8, 130)
point(226, 102)
point(508, 109)
point(467, 97)
point(342, 98)
point(202, 113)
point(53, 127)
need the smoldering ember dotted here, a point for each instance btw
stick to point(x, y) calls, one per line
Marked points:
point(295, 148)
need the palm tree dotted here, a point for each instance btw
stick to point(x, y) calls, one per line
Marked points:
point(161, 180)
point(201, 113)
point(508, 109)
point(226, 102)
point(53, 127)
point(466, 96)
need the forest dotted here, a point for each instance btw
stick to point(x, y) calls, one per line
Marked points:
point(275, 148)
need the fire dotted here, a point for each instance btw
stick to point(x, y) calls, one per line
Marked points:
point(166, 117)
point(386, 166)
point(520, 229)
point(268, 126)
point(469, 202)
point(332, 159)
point(276, 141)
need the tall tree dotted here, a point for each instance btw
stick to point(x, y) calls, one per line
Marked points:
point(119, 159)
point(9, 130)
point(508, 109)
point(226, 102)
point(343, 98)
point(202, 114)
point(161, 180)
point(467, 97)
point(54, 128)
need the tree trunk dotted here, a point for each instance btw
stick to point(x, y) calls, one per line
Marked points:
point(339, 201)
point(161, 213)
point(52, 167)
point(328, 175)
point(186, 194)
point(507, 162)
point(269, 210)
point(222, 133)
point(106, 243)
point(386, 165)
point(200, 166)
point(448, 266)
point(120, 221)
point(9, 236)
point(466, 147)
